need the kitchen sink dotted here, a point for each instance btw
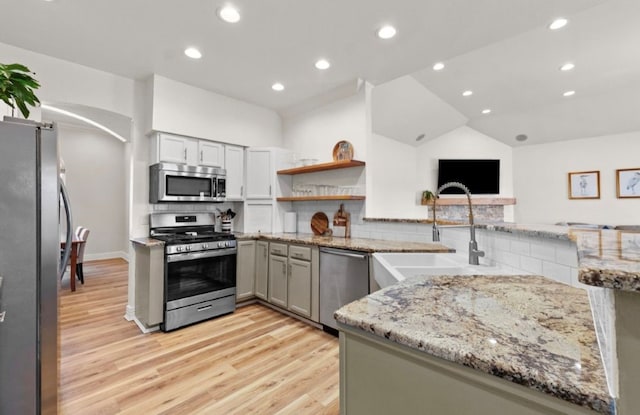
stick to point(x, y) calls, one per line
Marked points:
point(390, 268)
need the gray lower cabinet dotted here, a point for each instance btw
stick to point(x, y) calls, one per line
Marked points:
point(299, 289)
point(245, 270)
point(294, 278)
point(278, 276)
point(379, 377)
point(149, 277)
point(262, 270)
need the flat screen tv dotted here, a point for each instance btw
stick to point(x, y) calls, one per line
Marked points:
point(482, 177)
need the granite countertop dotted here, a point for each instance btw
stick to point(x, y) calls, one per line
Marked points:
point(356, 244)
point(606, 257)
point(148, 242)
point(526, 329)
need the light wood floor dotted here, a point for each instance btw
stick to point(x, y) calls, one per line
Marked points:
point(255, 361)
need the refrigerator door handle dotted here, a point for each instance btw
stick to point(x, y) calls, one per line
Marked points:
point(69, 238)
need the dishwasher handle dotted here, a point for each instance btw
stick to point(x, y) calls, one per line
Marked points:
point(342, 252)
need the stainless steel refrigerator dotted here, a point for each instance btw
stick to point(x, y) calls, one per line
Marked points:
point(30, 267)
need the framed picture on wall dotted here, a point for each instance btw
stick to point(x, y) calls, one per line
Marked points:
point(585, 185)
point(629, 246)
point(628, 183)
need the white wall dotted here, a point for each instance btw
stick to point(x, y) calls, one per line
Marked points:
point(466, 143)
point(138, 159)
point(66, 82)
point(313, 134)
point(540, 180)
point(393, 172)
point(96, 179)
point(186, 110)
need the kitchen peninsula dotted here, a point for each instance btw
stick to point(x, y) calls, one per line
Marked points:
point(461, 344)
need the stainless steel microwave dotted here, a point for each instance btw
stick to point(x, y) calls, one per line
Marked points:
point(181, 183)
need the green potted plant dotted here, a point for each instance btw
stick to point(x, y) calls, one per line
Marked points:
point(427, 197)
point(17, 86)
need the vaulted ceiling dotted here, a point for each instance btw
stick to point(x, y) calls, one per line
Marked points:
point(500, 49)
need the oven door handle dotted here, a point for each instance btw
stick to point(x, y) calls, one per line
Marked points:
point(188, 256)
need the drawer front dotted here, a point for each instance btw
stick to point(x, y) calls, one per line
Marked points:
point(278, 249)
point(300, 252)
point(198, 312)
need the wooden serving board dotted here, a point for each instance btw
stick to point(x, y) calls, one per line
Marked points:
point(336, 150)
point(319, 223)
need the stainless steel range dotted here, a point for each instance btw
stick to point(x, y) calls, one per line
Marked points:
point(199, 270)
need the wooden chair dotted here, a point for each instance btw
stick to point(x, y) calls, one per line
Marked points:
point(83, 236)
point(77, 234)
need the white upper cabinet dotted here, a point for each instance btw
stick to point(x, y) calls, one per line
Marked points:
point(234, 163)
point(260, 174)
point(171, 148)
point(210, 154)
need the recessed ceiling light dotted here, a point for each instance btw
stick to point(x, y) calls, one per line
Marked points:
point(467, 93)
point(323, 64)
point(568, 93)
point(277, 87)
point(229, 14)
point(438, 66)
point(567, 66)
point(486, 111)
point(193, 53)
point(387, 32)
point(521, 137)
point(420, 137)
point(558, 23)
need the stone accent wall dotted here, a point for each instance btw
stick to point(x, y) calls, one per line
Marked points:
point(484, 213)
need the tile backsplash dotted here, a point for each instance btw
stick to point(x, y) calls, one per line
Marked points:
point(555, 259)
point(198, 207)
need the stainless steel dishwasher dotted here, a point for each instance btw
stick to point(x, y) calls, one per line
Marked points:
point(344, 277)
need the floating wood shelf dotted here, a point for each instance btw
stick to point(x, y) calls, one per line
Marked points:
point(307, 198)
point(334, 165)
point(495, 201)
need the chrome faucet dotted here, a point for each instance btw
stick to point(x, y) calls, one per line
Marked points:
point(474, 252)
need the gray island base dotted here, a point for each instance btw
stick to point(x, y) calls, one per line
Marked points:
point(471, 345)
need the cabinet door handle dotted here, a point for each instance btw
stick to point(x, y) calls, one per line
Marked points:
point(269, 190)
point(284, 269)
point(290, 270)
point(2, 314)
point(185, 154)
point(265, 253)
point(201, 151)
point(241, 191)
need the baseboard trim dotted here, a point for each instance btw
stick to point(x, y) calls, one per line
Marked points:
point(130, 313)
point(107, 255)
point(144, 329)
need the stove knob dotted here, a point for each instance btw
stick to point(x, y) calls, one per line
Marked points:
point(187, 248)
point(220, 244)
point(178, 248)
point(228, 244)
point(205, 246)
